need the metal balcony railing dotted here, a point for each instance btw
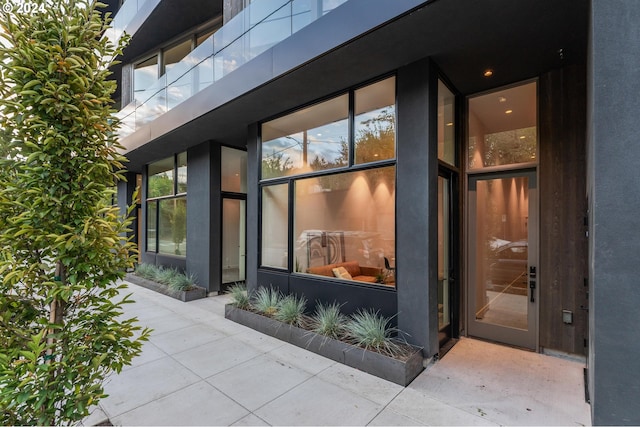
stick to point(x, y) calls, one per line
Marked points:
point(260, 26)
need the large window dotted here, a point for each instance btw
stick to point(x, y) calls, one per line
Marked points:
point(312, 139)
point(338, 159)
point(167, 206)
point(275, 208)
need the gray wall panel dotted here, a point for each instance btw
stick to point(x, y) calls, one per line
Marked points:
point(614, 199)
point(253, 210)
point(201, 206)
point(416, 217)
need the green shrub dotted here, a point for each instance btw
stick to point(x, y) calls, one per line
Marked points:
point(170, 277)
point(146, 271)
point(328, 320)
point(182, 282)
point(370, 330)
point(291, 310)
point(267, 300)
point(240, 296)
point(166, 276)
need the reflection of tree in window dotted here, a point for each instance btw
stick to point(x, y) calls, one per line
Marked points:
point(276, 165)
point(160, 185)
point(505, 148)
point(375, 138)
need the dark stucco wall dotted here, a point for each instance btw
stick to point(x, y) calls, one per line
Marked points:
point(416, 217)
point(253, 209)
point(614, 200)
point(203, 214)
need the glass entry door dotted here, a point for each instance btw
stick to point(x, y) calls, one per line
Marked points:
point(233, 240)
point(445, 258)
point(502, 279)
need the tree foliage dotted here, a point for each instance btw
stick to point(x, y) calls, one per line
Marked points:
point(62, 246)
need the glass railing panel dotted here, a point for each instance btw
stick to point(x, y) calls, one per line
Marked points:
point(230, 32)
point(204, 74)
point(229, 59)
point(269, 31)
point(329, 5)
point(181, 90)
point(127, 119)
point(260, 10)
point(189, 62)
point(257, 28)
point(152, 109)
point(303, 13)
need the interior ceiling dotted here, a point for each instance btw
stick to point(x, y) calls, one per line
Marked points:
point(518, 40)
point(506, 109)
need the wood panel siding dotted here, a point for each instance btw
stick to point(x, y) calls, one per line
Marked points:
point(563, 208)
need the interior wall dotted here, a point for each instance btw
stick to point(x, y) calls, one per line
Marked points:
point(563, 209)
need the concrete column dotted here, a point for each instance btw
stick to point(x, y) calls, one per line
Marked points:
point(614, 205)
point(203, 214)
point(253, 208)
point(416, 205)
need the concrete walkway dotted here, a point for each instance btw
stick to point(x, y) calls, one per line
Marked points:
point(200, 369)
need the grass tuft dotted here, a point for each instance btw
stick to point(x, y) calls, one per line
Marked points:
point(146, 271)
point(267, 300)
point(170, 277)
point(370, 330)
point(240, 296)
point(327, 320)
point(291, 310)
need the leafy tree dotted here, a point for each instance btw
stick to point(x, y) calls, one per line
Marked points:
point(62, 245)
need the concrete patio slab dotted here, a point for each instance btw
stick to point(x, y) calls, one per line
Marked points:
point(202, 369)
point(317, 402)
point(361, 383)
point(144, 384)
point(258, 381)
point(217, 356)
point(179, 340)
point(198, 404)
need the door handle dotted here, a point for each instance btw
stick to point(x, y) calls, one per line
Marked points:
point(532, 287)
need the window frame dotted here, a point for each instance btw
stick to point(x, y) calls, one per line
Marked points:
point(158, 199)
point(351, 166)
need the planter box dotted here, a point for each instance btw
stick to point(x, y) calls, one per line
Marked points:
point(184, 296)
point(401, 372)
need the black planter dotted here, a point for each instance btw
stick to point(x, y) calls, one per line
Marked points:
point(401, 372)
point(184, 296)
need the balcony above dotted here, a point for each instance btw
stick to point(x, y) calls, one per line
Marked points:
point(257, 28)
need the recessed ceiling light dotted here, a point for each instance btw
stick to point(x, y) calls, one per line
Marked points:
point(450, 124)
point(508, 112)
point(376, 155)
point(502, 99)
point(522, 137)
point(319, 134)
point(488, 73)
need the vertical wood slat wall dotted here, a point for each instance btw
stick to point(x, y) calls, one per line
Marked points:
point(563, 207)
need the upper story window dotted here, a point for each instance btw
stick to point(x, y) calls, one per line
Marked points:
point(147, 72)
point(318, 137)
